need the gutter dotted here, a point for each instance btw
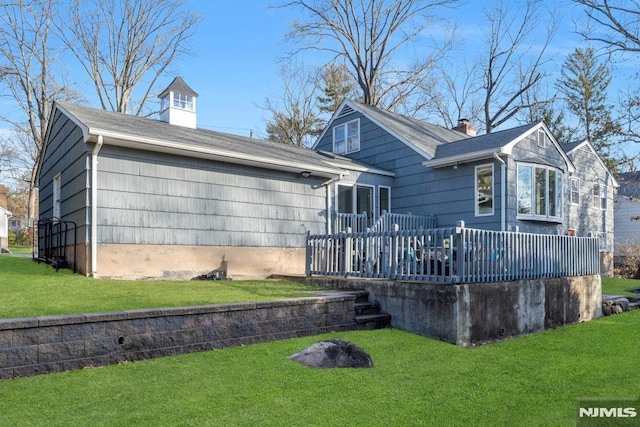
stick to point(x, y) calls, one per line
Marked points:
point(503, 190)
point(463, 158)
point(184, 149)
point(94, 205)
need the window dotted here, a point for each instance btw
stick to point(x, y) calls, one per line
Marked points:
point(345, 199)
point(183, 101)
point(384, 198)
point(346, 137)
point(56, 195)
point(484, 190)
point(541, 138)
point(539, 192)
point(599, 196)
point(574, 191)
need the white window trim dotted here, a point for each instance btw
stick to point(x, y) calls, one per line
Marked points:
point(571, 180)
point(477, 198)
point(345, 125)
point(57, 198)
point(559, 191)
point(187, 104)
point(380, 199)
point(596, 201)
point(542, 136)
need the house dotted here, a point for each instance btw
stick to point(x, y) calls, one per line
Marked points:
point(4, 229)
point(164, 199)
point(590, 199)
point(5, 216)
point(149, 198)
point(627, 210)
point(516, 179)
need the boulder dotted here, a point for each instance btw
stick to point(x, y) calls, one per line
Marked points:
point(333, 354)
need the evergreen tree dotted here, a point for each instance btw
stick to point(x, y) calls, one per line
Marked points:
point(584, 82)
point(337, 84)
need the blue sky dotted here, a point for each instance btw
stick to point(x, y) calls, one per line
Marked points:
point(237, 45)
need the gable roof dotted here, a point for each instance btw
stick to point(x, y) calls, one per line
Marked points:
point(421, 136)
point(572, 147)
point(153, 135)
point(490, 145)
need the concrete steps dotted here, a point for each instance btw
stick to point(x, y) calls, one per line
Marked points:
point(368, 313)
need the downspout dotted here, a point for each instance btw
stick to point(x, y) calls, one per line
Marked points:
point(94, 206)
point(327, 185)
point(503, 192)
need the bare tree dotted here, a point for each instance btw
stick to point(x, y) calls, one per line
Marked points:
point(27, 57)
point(617, 27)
point(294, 120)
point(618, 24)
point(368, 35)
point(127, 44)
point(455, 97)
point(512, 65)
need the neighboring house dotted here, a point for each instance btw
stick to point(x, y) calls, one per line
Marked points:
point(4, 229)
point(154, 199)
point(627, 210)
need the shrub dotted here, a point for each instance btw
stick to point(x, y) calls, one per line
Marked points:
point(21, 238)
point(627, 262)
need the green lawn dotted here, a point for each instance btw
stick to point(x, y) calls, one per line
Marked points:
point(525, 381)
point(528, 381)
point(21, 249)
point(31, 289)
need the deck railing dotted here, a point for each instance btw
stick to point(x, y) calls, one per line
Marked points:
point(455, 255)
point(359, 223)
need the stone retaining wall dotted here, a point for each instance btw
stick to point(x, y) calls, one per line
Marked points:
point(39, 345)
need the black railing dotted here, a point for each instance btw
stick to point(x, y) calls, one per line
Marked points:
point(52, 238)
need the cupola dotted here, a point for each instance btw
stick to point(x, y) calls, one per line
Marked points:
point(178, 104)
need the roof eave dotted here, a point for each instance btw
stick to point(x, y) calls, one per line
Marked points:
point(465, 158)
point(150, 144)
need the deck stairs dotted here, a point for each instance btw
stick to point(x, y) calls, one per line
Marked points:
point(369, 314)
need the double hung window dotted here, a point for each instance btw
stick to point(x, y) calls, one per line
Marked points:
point(346, 137)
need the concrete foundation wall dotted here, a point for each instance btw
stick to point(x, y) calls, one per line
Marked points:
point(41, 345)
point(186, 262)
point(476, 313)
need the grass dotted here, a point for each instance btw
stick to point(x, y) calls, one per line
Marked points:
point(21, 249)
point(31, 289)
point(531, 380)
point(619, 286)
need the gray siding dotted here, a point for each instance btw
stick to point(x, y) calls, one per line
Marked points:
point(67, 154)
point(154, 198)
point(528, 151)
point(380, 149)
point(586, 218)
point(627, 230)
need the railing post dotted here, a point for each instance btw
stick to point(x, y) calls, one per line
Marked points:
point(461, 254)
point(309, 255)
point(348, 252)
point(394, 251)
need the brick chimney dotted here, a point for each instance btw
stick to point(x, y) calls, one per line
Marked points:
point(465, 127)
